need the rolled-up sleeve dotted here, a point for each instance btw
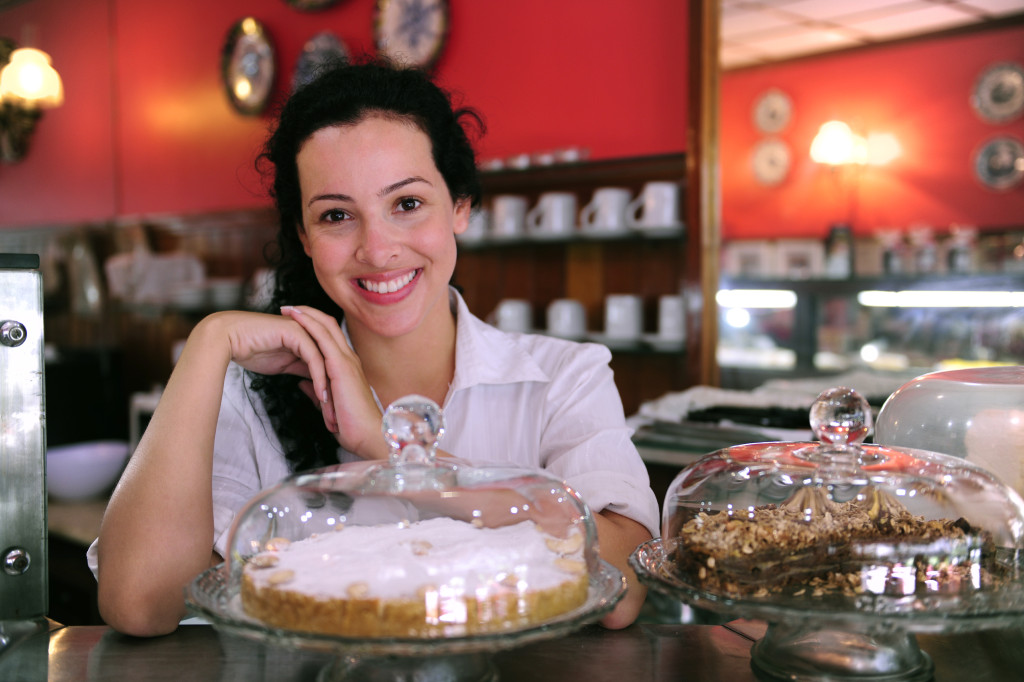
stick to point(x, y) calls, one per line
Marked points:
point(586, 442)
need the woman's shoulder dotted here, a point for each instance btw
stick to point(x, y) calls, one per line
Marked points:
point(556, 352)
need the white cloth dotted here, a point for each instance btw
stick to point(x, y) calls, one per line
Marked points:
point(523, 400)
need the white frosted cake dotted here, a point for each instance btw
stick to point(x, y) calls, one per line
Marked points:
point(435, 578)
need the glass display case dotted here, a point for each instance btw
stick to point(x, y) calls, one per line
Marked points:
point(803, 327)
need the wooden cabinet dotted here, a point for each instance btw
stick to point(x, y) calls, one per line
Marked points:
point(588, 269)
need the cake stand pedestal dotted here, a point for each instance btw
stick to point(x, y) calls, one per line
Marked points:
point(810, 650)
point(478, 667)
point(451, 659)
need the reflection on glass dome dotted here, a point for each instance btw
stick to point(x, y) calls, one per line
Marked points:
point(417, 548)
point(842, 548)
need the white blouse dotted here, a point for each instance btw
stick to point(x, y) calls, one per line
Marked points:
point(520, 400)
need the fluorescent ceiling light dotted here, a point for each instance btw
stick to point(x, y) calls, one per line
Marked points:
point(941, 299)
point(756, 298)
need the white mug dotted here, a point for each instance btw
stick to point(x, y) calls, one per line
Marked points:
point(513, 315)
point(656, 206)
point(508, 215)
point(554, 214)
point(606, 211)
point(623, 316)
point(671, 318)
point(567, 318)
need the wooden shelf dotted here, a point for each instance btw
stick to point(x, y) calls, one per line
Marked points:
point(588, 269)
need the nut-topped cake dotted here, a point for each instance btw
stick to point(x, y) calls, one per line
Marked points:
point(777, 546)
point(838, 516)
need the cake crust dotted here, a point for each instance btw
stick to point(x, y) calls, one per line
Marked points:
point(437, 578)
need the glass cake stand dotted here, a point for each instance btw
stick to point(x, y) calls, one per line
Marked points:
point(410, 486)
point(459, 658)
point(828, 635)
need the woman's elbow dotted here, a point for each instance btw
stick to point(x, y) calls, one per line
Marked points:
point(137, 615)
point(627, 610)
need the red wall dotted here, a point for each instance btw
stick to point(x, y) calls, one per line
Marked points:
point(919, 91)
point(146, 127)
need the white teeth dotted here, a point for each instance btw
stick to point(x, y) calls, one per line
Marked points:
point(388, 287)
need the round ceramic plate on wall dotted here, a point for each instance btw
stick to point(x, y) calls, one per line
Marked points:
point(322, 51)
point(999, 163)
point(771, 160)
point(772, 111)
point(411, 32)
point(247, 66)
point(310, 5)
point(998, 94)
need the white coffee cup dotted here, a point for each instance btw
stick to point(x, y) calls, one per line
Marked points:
point(554, 214)
point(567, 318)
point(479, 225)
point(606, 211)
point(623, 316)
point(656, 206)
point(513, 315)
point(508, 215)
point(671, 317)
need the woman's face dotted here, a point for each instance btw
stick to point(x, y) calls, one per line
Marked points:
point(379, 223)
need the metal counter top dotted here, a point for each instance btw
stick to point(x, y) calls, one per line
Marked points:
point(639, 653)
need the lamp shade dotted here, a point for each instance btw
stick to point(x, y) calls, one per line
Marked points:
point(30, 80)
point(834, 144)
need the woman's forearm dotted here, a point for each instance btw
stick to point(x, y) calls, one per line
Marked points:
point(617, 537)
point(157, 533)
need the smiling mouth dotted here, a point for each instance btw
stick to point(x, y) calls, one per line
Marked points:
point(390, 286)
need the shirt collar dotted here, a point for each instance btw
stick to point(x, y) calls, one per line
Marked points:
point(486, 355)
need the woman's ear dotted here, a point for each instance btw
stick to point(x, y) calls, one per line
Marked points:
point(462, 210)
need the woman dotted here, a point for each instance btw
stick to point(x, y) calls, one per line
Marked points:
point(373, 178)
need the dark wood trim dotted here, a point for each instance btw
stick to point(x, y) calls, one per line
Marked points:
point(703, 201)
point(626, 171)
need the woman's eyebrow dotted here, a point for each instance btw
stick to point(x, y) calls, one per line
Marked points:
point(400, 184)
point(328, 197)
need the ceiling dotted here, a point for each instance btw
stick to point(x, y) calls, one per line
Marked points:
point(764, 31)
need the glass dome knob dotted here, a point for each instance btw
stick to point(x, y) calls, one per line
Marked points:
point(841, 416)
point(413, 425)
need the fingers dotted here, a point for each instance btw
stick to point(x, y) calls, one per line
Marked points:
point(348, 403)
point(326, 408)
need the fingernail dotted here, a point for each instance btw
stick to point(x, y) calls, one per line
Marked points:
point(323, 396)
point(290, 309)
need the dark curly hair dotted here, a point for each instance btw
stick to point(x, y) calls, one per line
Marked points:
point(344, 95)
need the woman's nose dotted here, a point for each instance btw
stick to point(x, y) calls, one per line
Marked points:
point(377, 243)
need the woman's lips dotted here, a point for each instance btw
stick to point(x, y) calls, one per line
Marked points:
point(389, 286)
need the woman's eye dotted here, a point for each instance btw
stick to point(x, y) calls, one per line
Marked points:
point(334, 215)
point(408, 204)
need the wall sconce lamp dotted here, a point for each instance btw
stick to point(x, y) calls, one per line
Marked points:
point(28, 84)
point(836, 144)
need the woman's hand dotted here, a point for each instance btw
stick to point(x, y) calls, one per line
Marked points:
point(346, 401)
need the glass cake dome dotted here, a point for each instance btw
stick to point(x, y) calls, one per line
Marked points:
point(842, 547)
point(414, 557)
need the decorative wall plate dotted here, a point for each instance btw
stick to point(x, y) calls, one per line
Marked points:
point(771, 161)
point(772, 111)
point(247, 66)
point(998, 94)
point(999, 163)
point(322, 51)
point(411, 32)
point(311, 5)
